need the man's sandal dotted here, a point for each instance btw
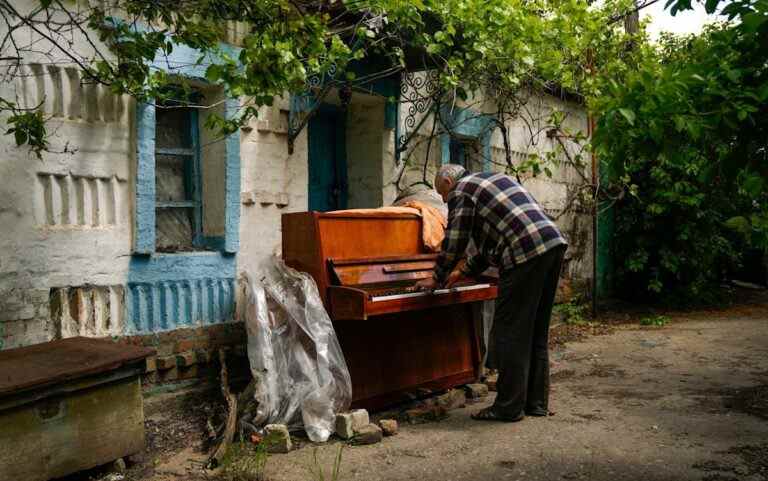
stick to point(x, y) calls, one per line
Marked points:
point(538, 412)
point(488, 414)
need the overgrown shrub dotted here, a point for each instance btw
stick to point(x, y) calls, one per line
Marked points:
point(685, 136)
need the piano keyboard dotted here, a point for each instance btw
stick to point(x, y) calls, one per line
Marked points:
point(407, 294)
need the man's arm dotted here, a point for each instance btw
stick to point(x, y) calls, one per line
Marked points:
point(461, 217)
point(475, 266)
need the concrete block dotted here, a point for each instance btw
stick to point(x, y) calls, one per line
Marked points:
point(347, 424)
point(368, 434)
point(453, 399)
point(344, 426)
point(278, 438)
point(476, 391)
point(388, 427)
point(360, 419)
point(426, 414)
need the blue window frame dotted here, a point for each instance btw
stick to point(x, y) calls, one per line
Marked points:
point(147, 203)
point(471, 131)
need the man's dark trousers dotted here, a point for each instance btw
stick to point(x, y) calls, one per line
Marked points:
point(520, 334)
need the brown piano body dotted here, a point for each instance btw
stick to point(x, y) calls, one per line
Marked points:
point(396, 341)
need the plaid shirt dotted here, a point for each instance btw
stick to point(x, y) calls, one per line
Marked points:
point(506, 224)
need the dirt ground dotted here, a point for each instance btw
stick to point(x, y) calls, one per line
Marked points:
point(686, 401)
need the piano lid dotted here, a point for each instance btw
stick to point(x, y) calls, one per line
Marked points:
point(381, 270)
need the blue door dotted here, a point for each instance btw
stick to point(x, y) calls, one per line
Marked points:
point(327, 160)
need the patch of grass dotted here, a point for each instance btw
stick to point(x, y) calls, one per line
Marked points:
point(572, 313)
point(317, 472)
point(245, 462)
point(657, 321)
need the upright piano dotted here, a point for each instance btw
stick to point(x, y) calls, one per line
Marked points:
point(397, 341)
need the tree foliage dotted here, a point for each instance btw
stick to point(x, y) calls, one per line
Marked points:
point(684, 132)
point(499, 46)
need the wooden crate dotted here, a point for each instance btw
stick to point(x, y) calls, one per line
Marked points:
point(67, 406)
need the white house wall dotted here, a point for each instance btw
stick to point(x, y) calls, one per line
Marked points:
point(67, 216)
point(274, 182)
point(67, 220)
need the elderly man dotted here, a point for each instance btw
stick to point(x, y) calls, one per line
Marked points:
point(512, 232)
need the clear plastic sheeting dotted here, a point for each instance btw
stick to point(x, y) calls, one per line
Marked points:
point(301, 377)
point(487, 312)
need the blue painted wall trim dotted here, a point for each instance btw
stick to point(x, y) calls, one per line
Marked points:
point(144, 220)
point(232, 184)
point(467, 123)
point(170, 291)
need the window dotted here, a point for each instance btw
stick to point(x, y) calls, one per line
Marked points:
point(178, 205)
point(466, 151)
point(187, 178)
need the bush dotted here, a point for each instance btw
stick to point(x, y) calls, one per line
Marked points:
point(685, 135)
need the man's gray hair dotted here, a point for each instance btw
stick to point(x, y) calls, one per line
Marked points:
point(454, 172)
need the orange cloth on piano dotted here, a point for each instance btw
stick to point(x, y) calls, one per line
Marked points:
point(433, 223)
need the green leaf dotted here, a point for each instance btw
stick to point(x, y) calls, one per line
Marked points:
point(753, 185)
point(739, 224)
point(20, 136)
point(711, 5)
point(629, 115)
point(752, 22)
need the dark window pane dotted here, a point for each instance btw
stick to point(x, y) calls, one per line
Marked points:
point(467, 152)
point(457, 152)
point(173, 128)
point(173, 229)
point(170, 178)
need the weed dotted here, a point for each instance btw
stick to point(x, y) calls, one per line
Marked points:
point(245, 462)
point(318, 473)
point(657, 321)
point(572, 313)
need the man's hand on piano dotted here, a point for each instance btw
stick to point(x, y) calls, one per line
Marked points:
point(453, 278)
point(428, 284)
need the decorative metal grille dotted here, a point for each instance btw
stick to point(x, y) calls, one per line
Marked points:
point(304, 105)
point(418, 92)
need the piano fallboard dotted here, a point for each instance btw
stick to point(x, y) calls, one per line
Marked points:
point(373, 286)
